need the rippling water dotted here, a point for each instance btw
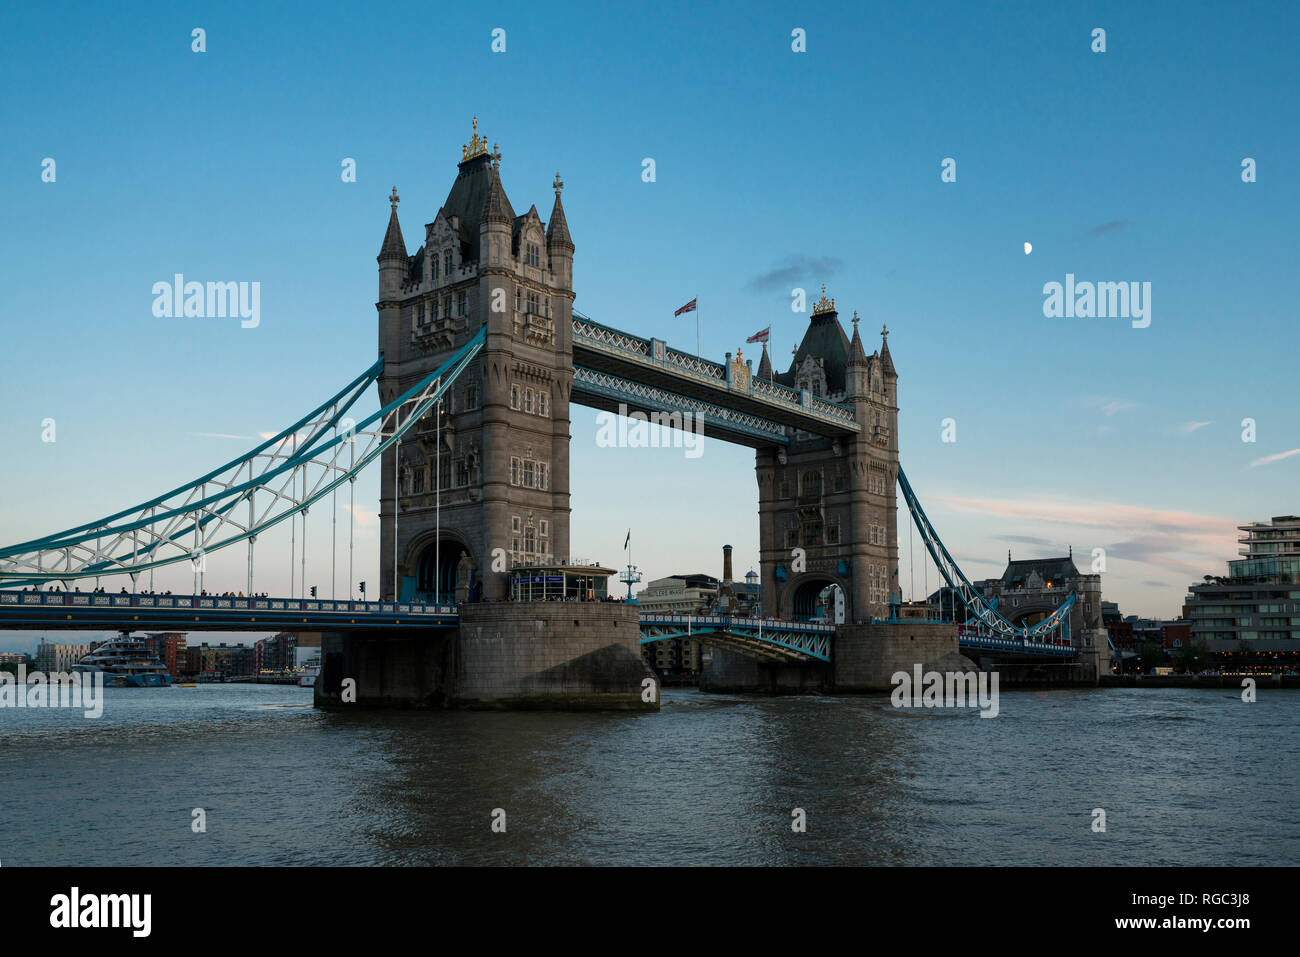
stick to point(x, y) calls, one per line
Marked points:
point(1185, 776)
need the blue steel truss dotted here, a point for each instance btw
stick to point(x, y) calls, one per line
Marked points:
point(984, 616)
point(275, 481)
point(663, 405)
point(756, 637)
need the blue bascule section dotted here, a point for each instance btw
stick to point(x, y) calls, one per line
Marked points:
point(754, 637)
point(279, 479)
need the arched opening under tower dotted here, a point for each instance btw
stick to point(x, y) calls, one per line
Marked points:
point(1027, 618)
point(819, 599)
point(436, 572)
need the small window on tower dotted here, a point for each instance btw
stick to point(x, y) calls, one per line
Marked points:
point(446, 263)
point(514, 397)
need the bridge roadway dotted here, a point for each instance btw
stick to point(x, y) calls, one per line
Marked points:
point(81, 610)
point(763, 638)
point(613, 368)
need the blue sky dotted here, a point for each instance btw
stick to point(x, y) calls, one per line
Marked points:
point(774, 169)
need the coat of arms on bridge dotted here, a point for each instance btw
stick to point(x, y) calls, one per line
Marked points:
point(739, 374)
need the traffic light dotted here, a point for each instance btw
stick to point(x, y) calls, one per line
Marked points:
point(363, 588)
point(313, 591)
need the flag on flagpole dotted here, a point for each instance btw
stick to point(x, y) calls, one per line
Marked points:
point(689, 307)
point(628, 540)
point(760, 336)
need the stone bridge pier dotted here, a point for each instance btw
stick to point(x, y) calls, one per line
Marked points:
point(505, 655)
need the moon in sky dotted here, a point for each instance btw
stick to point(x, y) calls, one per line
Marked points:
point(1029, 248)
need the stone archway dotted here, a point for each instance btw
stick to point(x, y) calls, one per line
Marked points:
point(441, 563)
point(1028, 615)
point(800, 597)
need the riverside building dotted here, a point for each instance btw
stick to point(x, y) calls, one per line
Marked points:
point(1255, 610)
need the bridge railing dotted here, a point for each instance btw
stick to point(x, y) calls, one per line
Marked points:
point(1022, 645)
point(768, 624)
point(221, 603)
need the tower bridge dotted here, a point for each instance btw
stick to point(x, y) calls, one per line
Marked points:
point(481, 354)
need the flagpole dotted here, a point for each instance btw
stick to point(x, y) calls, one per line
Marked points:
point(697, 327)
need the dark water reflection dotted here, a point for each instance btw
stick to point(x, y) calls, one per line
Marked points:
point(1186, 777)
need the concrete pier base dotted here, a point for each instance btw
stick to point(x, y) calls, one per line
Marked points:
point(867, 656)
point(505, 655)
point(731, 673)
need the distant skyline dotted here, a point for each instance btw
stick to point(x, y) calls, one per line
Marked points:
point(773, 170)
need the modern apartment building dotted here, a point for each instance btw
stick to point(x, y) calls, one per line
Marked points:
point(1255, 608)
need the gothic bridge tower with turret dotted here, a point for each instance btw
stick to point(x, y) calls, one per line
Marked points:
point(501, 441)
point(828, 508)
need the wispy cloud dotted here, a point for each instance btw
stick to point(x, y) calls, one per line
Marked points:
point(1182, 542)
point(1114, 406)
point(1114, 226)
point(1187, 428)
point(222, 435)
point(1025, 540)
point(794, 270)
point(365, 517)
point(1276, 457)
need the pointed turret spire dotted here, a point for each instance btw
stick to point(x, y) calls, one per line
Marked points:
point(394, 246)
point(496, 206)
point(857, 355)
point(886, 362)
point(765, 365)
point(557, 228)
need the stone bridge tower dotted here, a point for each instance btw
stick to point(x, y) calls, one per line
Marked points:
point(498, 462)
point(827, 508)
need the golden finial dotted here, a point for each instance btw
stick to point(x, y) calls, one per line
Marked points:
point(825, 305)
point(394, 199)
point(477, 145)
point(558, 184)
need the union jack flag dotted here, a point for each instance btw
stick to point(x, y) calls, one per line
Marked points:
point(760, 336)
point(689, 307)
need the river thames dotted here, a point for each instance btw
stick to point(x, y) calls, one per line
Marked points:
point(1186, 777)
